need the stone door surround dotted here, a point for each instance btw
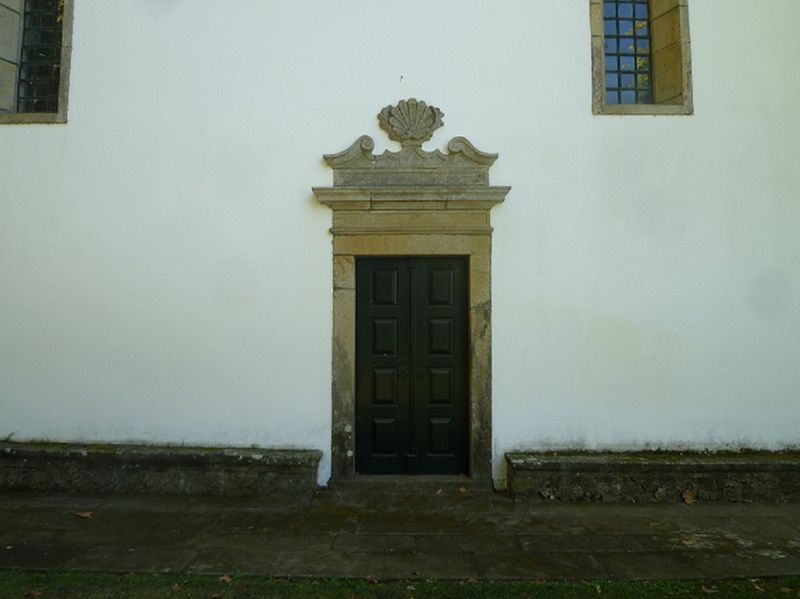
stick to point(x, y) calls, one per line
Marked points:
point(411, 203)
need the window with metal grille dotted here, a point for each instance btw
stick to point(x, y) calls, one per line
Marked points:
point(40, 56)
point(627, 51)
point(641, 57)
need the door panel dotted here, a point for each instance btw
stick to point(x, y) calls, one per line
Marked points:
point(411, 365)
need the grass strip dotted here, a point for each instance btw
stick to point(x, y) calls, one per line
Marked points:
point(24, 584)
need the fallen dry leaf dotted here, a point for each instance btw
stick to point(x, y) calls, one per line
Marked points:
point(462, 489)
point(225, 578)
point(371, 579)
point(759, 589)
point(689, 496)
point(176, 588)
point(216, 595)
point(471, 580)
point(689, 542)
point(707, 590)
point(85, 515)
point(785, 590)
point(438, 492)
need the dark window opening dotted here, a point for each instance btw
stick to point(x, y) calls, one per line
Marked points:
point(628, 64)
point(40, 57)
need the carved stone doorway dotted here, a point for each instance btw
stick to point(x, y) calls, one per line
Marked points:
point(411, 203)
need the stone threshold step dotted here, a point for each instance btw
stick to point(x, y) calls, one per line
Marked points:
point(423, 484)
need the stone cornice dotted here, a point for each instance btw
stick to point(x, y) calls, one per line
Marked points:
point(410, 198)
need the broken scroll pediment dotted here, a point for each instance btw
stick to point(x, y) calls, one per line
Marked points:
point(411, 122)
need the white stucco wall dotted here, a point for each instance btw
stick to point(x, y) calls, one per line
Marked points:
point(165, 271)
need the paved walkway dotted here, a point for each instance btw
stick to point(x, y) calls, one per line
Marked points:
point(391, 532)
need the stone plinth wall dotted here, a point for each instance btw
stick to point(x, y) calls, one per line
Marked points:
point(101, 469)
point(656, 476)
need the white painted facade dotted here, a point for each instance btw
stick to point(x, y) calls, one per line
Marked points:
point(165, 273)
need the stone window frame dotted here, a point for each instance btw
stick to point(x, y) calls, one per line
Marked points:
point(671, 56)
point(60, 116)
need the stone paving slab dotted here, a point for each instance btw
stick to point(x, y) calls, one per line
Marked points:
point(398, 532)
point(646, 565)
point(131, 557)
point(540, 566)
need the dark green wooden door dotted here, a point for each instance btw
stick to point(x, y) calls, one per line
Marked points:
point(411, 366)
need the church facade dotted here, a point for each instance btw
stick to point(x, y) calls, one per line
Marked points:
point(415, 238)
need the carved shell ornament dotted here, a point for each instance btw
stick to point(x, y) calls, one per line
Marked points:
point(411, 122)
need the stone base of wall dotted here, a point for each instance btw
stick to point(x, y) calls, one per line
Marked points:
point(102, 469)
point(655, 477)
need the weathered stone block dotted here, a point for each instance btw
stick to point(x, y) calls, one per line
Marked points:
point(654, 476)
point(666, 30)
point(8, 86)
point(659, 7)
point(596, 17)
point(417, 244)
point(410, 221)
point(668, 74)
point(344, 272)
point(15, 5)
point(101, 469)
point(9, 34)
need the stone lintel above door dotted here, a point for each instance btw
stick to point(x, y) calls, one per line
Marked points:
point(411, 209)
point(412, 202)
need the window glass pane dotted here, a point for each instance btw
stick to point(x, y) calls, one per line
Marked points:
point(627, 51)
point(626, 45)
point(628, 81)
point(40, 56)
